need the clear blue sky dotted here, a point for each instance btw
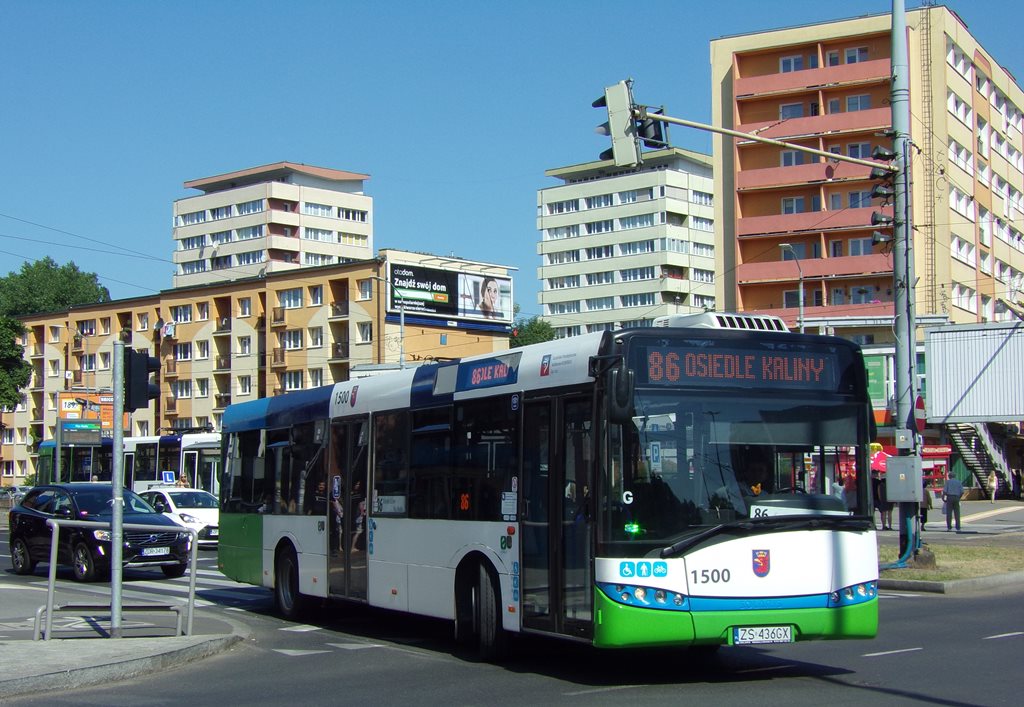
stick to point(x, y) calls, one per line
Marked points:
point(455, 109)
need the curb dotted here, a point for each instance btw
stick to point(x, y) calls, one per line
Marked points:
point(118, 669)
point(953, 586)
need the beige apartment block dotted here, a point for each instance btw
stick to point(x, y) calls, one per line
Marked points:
point(270, 219)
point(620, 247)
point(253, 337)
point(827, 86)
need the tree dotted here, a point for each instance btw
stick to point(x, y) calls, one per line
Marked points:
point(41, 286)
point(15, 371)
point(529, 331)
point(44, 286)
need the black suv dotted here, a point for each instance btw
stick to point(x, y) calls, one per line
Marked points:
point(87, 550)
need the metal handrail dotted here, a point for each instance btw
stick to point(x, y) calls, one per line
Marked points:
point(56, 524)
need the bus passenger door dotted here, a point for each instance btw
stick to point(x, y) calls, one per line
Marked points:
point(346, 508)
point(556, 567)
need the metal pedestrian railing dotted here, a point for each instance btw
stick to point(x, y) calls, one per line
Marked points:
point(48, 609)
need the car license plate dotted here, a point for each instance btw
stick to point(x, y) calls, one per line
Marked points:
point(762, 634)
point(150, 551)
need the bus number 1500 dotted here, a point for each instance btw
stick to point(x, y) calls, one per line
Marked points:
point(715, 576)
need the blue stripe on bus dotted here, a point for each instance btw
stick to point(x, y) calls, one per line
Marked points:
point(809, 601)
point(279, 411)
point(422, 393)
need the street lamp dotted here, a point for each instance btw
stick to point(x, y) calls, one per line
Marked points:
point(401, 320)
point(800, 317)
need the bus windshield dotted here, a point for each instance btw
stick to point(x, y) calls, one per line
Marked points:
point(686, 462)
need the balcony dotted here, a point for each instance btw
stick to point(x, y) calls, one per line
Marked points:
point(170, 368)
point(37, 352)
point(277, 317)
point(223, 327)
point(339, 351)
point(77, 377)
point(125, 336)
point(222, 363)
point(798, 175)
point(277, 357)
point(170, 404)
point(339, 309)
point(814, 269)
point(860, 73)
point(221, 400)
point(831, 123)
point(78, 344)
point(813, 221)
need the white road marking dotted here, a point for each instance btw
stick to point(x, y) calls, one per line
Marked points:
point(901, 650)
point(356, 646)
point(295, 653)
point(1004, 635)
point(301, 628)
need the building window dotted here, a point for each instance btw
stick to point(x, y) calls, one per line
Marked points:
point(832, 58)
point(835, 201)
point(316, 337)
point(222, 262)
point(635, 248)
point(638, 221)
point(600, 201)
point(316, 377)
point(220, 212)
point(313, 209)
point(104, 360)
point(604, 251)
point(643, 299)
point(290, 299)
point(594, 227)
point(564, 207)
point(861, 150)
point(318, 234)
point(791, 158)
point(292, 380)
point(192, 218)
point(365, 289)
point(203, 311)
point(599, 303)
point(698, 275)
point(365, 332)
point(600, 278)
point(244, 385)
point(182, 389)
point(855, 55)
point(352, 214)
point(202, 349)
point(244, 307)
point(86, 327)
point(249, 232)
point(250, 207)
point(788, 64)
point(859, 102)
point(291, 340)
point(793, 205)
point(183, 352)
point(181, 314)
point(702, 198)
point(791, 110)
point(859, 199)
point(316, 295)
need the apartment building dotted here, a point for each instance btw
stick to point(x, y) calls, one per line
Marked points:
point(620, 247)
point(790, 221)
point(270, 219)
point(253, 337)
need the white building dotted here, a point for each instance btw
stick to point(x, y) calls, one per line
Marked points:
point(269, 219)
point(620, 247)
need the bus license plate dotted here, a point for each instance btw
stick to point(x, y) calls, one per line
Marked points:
point(762, 634)
point(150, 551)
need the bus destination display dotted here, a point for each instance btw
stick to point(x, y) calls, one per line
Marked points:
point(803, 370)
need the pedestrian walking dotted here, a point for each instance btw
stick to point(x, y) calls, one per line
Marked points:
point(926, 503)
point(993, 483)
point(952, 492)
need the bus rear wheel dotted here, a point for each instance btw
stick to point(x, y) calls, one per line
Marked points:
point(290, 603)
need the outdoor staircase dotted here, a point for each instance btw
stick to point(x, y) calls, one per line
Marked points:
point(975, 446)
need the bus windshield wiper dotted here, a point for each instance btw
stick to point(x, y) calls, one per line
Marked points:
point(767, 524)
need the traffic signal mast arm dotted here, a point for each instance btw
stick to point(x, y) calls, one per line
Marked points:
point(641, 113)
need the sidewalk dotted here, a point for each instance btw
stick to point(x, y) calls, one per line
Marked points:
point(974, 515)
point(92, 659)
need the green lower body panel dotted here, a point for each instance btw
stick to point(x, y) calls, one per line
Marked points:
point(240, 547)
point(620, 626)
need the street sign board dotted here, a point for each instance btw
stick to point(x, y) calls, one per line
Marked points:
point(80, 432)
point(919, 416)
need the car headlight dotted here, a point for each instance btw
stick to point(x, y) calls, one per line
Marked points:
point(189, 518)
point(102, 535)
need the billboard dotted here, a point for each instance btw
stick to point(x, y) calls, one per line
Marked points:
point(76, 405)
point(450, 294)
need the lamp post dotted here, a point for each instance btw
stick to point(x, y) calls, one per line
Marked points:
point(401, 320)
point(786, 247)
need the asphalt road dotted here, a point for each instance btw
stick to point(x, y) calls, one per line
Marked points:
point(931, 649)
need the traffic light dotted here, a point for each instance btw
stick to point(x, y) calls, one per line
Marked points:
point(650, 131)
point(621, 125)
point(884, 189)
point(138, 390)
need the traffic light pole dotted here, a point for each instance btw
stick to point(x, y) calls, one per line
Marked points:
point(117, 491)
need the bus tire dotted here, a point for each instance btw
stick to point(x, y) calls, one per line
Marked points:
point(289, 602)
point(492, 640)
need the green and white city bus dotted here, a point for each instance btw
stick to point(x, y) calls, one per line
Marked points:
point(699, 485)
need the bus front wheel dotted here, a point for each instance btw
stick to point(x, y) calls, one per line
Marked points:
point(287, 598)
point(478, 619)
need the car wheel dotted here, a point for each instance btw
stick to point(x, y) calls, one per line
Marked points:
point(290, 603)
point(20, 558)
point(82, 563)
point(174, 571)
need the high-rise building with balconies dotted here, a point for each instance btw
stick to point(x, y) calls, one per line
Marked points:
point(270, 219)
point(827, 86)
point(620, 247)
